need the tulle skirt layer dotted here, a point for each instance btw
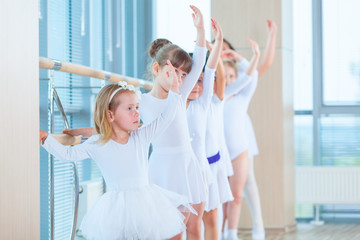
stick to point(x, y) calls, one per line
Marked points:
point(148, 212)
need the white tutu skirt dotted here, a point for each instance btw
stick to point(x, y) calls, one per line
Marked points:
point(179, 172)
point(219, 191)
point(148, 212)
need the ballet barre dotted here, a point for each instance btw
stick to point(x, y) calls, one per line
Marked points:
point(68, 67)
point(48, 63)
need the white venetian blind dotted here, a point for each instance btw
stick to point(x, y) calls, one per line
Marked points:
point(70, 31)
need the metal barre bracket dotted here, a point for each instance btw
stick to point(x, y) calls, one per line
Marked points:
point(57, 65)
point(107, 75)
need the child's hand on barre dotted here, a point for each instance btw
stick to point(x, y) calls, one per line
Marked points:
point(86, 132)
point(43, 136)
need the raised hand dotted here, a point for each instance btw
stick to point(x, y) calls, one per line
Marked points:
point(255, 47)
point(217, 47)
point(216, 30)
point(271, 27)
point(255, 58)
point(174, 79)
point(197, 17)
point(231, 55)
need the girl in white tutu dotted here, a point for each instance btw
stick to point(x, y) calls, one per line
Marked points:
point(131, 208)
point(173, 164)
point(198, 104)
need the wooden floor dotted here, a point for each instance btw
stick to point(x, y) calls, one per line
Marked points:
point(329, 231)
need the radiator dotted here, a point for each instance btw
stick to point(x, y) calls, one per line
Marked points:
point(327, 185)
point(90, 191)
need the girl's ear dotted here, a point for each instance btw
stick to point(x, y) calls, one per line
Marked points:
point(156, 68)
point(111, 116)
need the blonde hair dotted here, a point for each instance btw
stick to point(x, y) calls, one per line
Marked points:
point(233, 65)
point(102, 108)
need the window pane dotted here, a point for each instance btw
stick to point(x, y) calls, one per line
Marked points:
point(303, 137)
point(341, 48)
point(303, 94)
point(174, 22)
point(303, 140)
point(340, 140)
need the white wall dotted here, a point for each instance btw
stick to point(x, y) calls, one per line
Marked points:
point(19, 121)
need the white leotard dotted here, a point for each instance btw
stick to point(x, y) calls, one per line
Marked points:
point(173, 164)
point(130, 198)
point(197, 116)
point(235, 111)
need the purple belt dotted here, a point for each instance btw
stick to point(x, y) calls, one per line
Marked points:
point(214, 159)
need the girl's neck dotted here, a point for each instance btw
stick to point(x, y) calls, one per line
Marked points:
point(120, 136)
point(187, 103)
point(158, 91)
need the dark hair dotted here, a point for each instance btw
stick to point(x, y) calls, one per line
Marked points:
point(156, 45)
point(229, 44)
point(162, 49)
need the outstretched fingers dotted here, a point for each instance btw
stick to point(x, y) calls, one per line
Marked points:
point(175, 83)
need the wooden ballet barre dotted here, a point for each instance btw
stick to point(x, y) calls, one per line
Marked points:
point(48, 63)
point(66, 139)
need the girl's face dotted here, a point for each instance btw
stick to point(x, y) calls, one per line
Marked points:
point(230, 74)
point(225, 46)
point(126, 115)
point(198, 88)
point(163, 75)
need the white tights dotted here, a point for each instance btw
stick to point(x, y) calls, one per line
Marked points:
point(253, 199)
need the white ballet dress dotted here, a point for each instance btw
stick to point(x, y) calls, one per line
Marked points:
point(219, 191)
point(235, 110)
point(253, 147)
point(196, 118)
point(173, 164)
point(131, 208)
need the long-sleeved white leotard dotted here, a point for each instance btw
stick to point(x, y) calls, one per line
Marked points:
point(235, 111)
point(131, 208)
point(197, 117)
point(172, 164)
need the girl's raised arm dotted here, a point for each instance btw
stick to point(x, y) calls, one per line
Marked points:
point(214, 60)
point(199, 56)
point(269, 52)
point(244, 78)
point(255, 58)
point(161, 123)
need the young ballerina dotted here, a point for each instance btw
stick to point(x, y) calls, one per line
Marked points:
point(172, 164)
point(219, 191)
point(234, 121)
point(131, 208)
point(251, 190)
point(197, 110)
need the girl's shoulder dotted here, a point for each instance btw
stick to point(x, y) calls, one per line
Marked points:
point(93, 140)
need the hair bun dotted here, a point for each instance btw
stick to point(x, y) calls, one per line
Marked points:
point(156, 45)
